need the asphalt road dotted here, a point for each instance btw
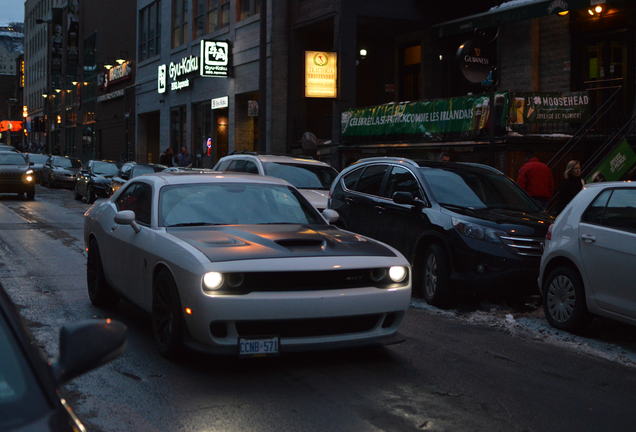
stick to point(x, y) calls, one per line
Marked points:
point(445, 375)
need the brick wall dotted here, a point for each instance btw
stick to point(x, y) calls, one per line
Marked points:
point(515, 58)
point(555, 53)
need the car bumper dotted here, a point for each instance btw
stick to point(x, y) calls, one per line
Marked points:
point(65, 180)
point(302, 320)
point(16, 187)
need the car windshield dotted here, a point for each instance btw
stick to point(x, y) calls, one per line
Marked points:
point(63, 162)
point(12, 159)
point(477, 190)
point(21, 398)
point(105, 168)
point(302, 176)
point(142, 169)
point(233, 204)
point(38, 158)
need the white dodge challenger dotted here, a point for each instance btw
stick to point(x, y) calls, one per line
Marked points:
point(241, 264)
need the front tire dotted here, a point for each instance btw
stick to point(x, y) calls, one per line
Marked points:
point(167, 319)
point(100, 292)
point(90, 195)
point(564, 300)
point(435, 277)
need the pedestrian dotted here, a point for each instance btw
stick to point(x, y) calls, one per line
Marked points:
point(535, 177)
point(444, 157)
point(183, 157)
point(167, 157)
point(570, 186)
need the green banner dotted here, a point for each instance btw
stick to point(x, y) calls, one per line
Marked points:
point(548, 108)
point(615, 165)
point(423, 118)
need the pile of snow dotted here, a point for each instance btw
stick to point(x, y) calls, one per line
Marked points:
point(513, 4)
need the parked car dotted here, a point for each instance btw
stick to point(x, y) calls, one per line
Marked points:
point(29, 385)
point(311, 177)
point(455, 222)
point(4, 147)
point(241, 264)
point(37, 161)
point(60, 171)
point(131, 170)
point(16, 175)
point(588, 264)
point(95, 180)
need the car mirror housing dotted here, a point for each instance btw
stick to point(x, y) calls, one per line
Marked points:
point(31, 163)
point(403, 198)
point(127, 217)
point(330, 215)
point(87, 345)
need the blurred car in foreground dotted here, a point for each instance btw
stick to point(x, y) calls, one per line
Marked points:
point(590, 256)
point(131, 170)
point(241, 264)
point(29, 386)
point(311, 177)
point(37, 161)
point(60, 171)
point(95, 181)
point(16, 175)
point(4, 147)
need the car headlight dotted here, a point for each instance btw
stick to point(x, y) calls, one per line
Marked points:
point(213, 280)
point(475, 231)
point(398, 273)
point(29, 172)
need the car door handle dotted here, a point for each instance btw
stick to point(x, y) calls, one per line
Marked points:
point(380, 209)
point(349, 200)
point(587, 238)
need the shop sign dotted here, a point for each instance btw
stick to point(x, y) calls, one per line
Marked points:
point(429, 119)
point(21, 72)
point(215, 56)
point(221, 102)
point(111, 95)
point(252, 108)
point(615, 165)
point(119, 73)
point(10, 126)
point(544, 108)
point(474, 62)
point(321, 74)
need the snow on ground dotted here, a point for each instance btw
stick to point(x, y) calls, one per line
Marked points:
point(534, 326)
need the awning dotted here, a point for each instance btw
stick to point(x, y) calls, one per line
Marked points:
point(511, 11)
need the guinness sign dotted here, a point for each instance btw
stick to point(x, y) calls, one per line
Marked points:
point(474, 61)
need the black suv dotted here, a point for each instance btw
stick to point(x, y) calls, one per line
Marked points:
point(455, 222)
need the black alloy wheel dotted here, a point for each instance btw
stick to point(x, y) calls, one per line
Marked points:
point(167, 320)
point(564, 300)
point(90, 195)
point(435, 283)
point(77, 195)
point(100, 292)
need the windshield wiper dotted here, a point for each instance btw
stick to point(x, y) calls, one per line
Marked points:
point(185, 224)
point(457, 207)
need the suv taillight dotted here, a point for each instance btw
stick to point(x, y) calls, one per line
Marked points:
point(548, 235)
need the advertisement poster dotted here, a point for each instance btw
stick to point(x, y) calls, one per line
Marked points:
point(615, 165)
point(548, 108)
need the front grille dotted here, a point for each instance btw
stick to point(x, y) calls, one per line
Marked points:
point(237, 283)
point(10, 176)
point(308, 327)
point(526, 246)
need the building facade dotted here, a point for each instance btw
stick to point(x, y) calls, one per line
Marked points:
point(11, 49)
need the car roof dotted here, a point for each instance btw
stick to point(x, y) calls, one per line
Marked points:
point(9, 152)
point(187, 177)
point(280, 158)
point(428, 164)
point(626, 183)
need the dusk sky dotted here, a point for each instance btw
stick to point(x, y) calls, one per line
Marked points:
point(11, 11)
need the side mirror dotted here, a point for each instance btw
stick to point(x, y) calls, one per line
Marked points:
point(127, 217)
point(403, 198)
point(87, 345)
point(31, 163)
point(330, 215)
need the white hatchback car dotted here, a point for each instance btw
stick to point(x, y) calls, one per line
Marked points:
point(589, 260)
point(241, 264)
point(311, 177)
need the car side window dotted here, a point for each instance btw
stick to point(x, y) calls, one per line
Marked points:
point(351, 179)
point(402, 180)
point(371, 179)
point(250, 167)
point(620, 212)
point(594, 213)
point(223, 165)
point(138, 198)
point(237, 165)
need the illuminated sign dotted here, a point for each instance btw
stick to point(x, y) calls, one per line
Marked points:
point(222, 102)
point(321, 74)
point(122, 72)
point(215, 58)
point(10, 126)
point(21, 73)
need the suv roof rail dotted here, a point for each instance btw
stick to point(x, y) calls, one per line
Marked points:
point(391, 158)
point(251, 153)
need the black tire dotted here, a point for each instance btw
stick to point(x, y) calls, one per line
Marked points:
point(435, 283)
point(100, 292)
point(564, 300)
point(90, 195)
point(51, 183)
point(30, 195)
point(167, 319)
point(77, 196)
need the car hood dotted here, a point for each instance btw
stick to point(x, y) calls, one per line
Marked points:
point(98, 178)
point(513, 221)
point(241, 242)
point(70, 171)
point(316, 197)
point(13, 169)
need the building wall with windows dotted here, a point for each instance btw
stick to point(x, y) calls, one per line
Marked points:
point(170, 31)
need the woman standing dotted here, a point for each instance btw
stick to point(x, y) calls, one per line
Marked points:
point(572, 184)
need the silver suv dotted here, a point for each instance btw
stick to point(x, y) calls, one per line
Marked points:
point(311, 177)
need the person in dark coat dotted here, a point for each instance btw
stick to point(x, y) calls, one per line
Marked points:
point(167, 157)
point(571, 185)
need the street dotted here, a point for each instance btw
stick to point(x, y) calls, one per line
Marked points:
point(445, 374)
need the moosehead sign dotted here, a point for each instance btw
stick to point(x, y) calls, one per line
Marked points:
point(474, 61)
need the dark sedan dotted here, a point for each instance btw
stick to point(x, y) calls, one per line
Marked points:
point(60, 171)
point(29, 397)
point(131, 170)
point(95, 181)
point(16, 176)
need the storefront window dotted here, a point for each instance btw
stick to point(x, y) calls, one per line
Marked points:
point(247, 8)
point(178, 128)
point(179, 22)
point(149, 30)
point(410, 72)
point(209, 16)
point(202, 127)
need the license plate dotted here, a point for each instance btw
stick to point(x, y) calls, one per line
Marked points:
point(258, 346)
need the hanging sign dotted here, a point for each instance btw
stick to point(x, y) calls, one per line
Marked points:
point(474, 62)
point(321, 74)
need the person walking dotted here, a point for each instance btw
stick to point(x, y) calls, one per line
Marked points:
point(167, 157)
point(183, 157)
point(570, 186)
point(535, 177)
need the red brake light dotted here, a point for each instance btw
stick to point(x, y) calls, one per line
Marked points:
point(548, 235)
